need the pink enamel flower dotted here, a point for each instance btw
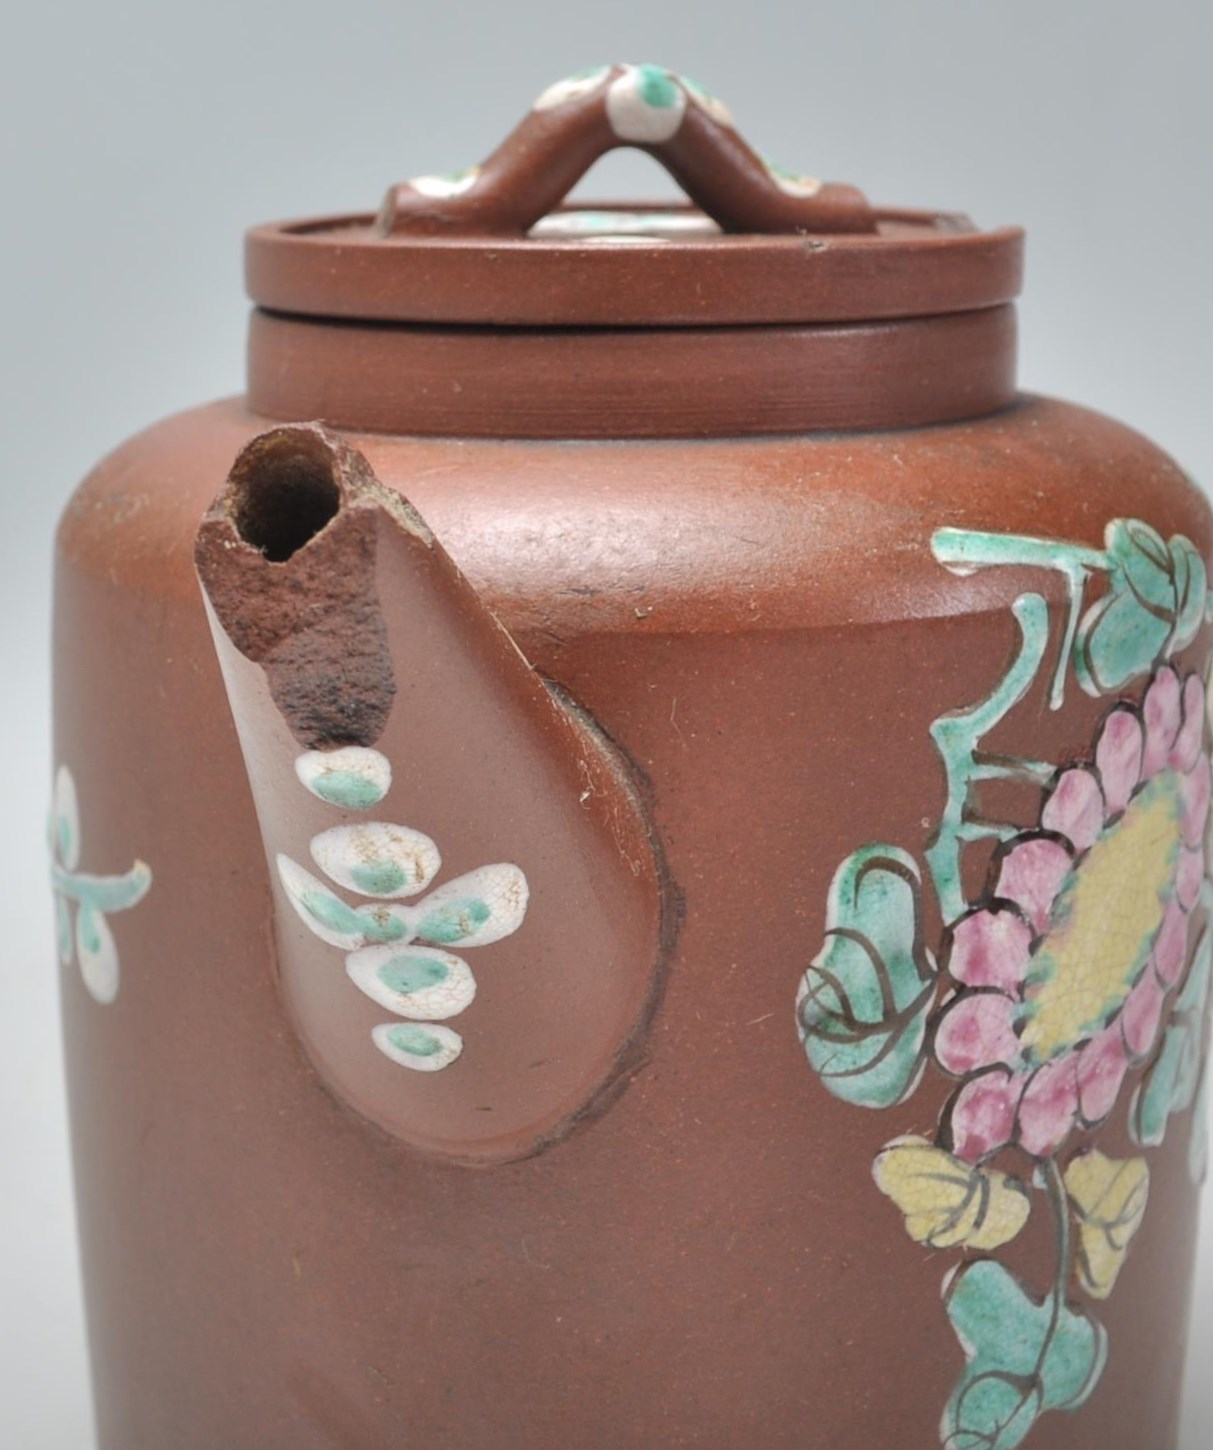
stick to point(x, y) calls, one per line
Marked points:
point(1065, 970)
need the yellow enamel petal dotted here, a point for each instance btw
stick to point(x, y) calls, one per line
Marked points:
point(1006, 1211)
point(1109, 1197)
point(948, 1203)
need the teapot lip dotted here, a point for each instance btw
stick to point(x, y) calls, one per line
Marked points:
point(916, 264)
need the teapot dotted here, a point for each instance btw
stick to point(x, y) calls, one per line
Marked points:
point(630, 839)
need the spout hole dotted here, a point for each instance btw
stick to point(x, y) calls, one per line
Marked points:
point(283, 496)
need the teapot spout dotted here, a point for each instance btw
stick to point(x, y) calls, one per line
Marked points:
point(422, 794)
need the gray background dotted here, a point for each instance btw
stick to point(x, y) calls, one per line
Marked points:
point(141, 136)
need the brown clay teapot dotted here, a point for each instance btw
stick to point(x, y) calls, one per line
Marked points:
point(630, 818)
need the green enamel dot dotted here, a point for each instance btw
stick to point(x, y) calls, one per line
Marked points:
point(416, 1041)
point(656, 87)
point(348, 788)
point(407, 974)
point(378, 878)
point(454, 921)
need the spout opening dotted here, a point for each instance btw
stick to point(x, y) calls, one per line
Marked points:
point(283, 493)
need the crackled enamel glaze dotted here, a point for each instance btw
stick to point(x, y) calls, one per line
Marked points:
point(395, 953)
point(1074, 988)
point(89, 938)
point(572, 88)
point(645, 103)
point(352, 777)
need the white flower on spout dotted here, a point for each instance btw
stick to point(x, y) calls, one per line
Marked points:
point(396, 953)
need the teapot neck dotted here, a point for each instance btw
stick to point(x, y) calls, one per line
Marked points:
point(643, 382)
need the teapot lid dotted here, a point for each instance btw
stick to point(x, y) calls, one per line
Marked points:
point(499, 245)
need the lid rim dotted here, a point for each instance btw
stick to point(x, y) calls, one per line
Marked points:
point(336, 267)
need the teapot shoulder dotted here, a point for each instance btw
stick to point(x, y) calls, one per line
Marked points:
point(133, 518)
point(810, 531)
point(680, 535)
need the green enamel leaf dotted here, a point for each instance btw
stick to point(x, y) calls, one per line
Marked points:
point(1173, 1080)
point(1154, 605)
point(1191, 591)
point(1117, 641)
point(864, 1001)
point(1153, 1103)
point(1023, 1358)
point(993, 1413)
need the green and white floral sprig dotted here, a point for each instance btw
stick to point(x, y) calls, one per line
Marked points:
point(396, 953)
point(95, 898)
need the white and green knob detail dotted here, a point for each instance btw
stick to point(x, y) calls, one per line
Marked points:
point(572, 88)
point(645, 104)
point(440, 188)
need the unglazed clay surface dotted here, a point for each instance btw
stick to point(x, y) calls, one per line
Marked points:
point(577, 119)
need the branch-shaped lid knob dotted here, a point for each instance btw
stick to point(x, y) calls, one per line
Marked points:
point(578, 120)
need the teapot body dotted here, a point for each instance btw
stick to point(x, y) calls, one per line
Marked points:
point(912, 716)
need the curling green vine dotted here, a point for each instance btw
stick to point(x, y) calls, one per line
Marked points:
point(1069, 978)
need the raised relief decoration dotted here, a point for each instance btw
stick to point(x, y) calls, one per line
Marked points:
point(1072, 988)
point(395, 953)
point(88, 938)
